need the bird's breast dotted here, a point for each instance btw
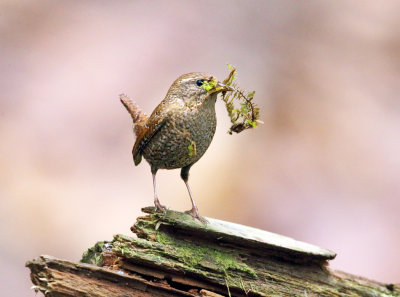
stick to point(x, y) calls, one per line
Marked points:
point(184, 138)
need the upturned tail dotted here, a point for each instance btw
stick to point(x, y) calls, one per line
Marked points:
point(138, 116)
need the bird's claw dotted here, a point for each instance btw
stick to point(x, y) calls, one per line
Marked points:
point(160, 207)
point(195, 214)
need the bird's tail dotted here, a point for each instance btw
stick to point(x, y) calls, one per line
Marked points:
point(138, 116)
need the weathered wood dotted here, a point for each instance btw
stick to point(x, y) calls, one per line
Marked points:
point(174, 255)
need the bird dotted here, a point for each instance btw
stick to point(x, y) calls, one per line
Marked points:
point(179, 130)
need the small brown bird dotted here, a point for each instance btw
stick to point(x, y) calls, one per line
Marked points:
point(180, 129)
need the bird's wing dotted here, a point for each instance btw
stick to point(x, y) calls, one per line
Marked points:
point(153, 125)
point(144, 137)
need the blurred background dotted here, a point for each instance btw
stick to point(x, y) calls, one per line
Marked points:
point(324, 168)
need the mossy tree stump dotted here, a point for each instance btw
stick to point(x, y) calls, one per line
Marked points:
point(173, 255)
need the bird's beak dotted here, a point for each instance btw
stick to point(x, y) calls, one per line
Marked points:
point(212, 85)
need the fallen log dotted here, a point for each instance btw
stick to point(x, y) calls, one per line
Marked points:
point(174, 255)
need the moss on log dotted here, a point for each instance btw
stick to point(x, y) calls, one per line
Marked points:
point(174, 255)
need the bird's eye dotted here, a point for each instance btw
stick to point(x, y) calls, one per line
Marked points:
point(199, 82)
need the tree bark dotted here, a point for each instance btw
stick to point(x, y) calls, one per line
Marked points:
point(174, 255)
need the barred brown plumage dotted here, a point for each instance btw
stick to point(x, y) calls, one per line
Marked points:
point(180, 129)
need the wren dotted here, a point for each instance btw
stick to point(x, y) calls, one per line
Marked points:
point(180, 129)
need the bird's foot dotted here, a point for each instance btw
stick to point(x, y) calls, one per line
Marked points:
point(160, 207)
point(195, 214)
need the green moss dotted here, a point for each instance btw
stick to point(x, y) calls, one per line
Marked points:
point(248, 115)
point(196, 255)
point(192, 148)
point(191, 254)
point(94, 255)
point(131, 253)
point(162, 245)
point(158, 246)
point(122, 237)
point(209, 85)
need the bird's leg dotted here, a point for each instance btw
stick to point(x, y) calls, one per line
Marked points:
point(156, 201)
point(194, 212)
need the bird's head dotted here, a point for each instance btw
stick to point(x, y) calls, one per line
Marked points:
point(196, 87)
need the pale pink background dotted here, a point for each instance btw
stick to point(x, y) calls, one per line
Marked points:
point(324, 168)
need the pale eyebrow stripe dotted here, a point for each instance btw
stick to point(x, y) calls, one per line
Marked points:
point(186, 79)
